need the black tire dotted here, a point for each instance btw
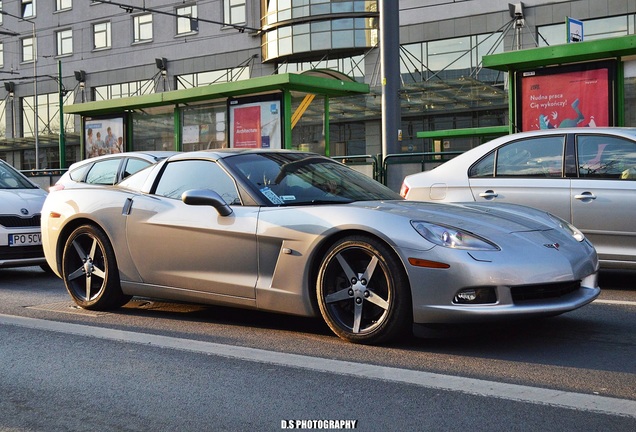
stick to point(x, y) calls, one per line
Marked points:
point(90, 271)
point(363, 291)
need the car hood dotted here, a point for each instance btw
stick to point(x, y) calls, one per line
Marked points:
point(12, 201)
point(472, 217)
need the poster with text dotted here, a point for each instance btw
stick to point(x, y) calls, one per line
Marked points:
point(104, 136)
point(247, 126)
point(255, 123)
point(578, 98)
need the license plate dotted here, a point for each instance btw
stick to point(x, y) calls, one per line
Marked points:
point(32, 239)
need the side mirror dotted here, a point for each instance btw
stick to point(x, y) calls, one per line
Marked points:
point(206, 197)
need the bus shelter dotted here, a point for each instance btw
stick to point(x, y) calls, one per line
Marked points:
point(286, 111)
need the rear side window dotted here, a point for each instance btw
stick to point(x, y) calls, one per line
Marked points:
point(534, 157)
point(605, 157)
point(103, 172)
point(133, 165)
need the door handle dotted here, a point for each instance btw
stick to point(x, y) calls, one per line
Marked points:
point(585, 196)
point(489, 194)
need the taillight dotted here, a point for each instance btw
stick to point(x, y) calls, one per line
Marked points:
point(404, 190)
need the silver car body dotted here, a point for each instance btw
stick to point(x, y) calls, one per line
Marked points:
point(590, 182)
point(265, 256)
point(20, 205)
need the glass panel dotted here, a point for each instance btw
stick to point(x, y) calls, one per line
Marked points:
point(535, 157)
point(204, 127)
point(606, 157)
point(153, 129)
point(104, 172)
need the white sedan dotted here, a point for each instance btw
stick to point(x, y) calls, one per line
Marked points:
point(586, 176)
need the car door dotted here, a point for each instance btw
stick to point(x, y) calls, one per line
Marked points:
point(528, 171)
point(191, 247)
point(604, 194)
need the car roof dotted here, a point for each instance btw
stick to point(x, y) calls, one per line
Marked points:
point(151, 156)
point(216, 154)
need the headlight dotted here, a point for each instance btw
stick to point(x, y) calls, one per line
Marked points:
point(452, 237)
point(568, 227)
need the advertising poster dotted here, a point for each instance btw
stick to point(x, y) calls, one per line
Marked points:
point(578, 98)
point(247, 127)
point(104, 136)
point(255, 122)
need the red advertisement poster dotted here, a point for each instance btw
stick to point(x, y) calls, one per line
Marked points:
point(569, 99)
point(247, 127)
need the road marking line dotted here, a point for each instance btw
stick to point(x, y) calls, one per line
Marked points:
point(515, 392)
point(616, 302)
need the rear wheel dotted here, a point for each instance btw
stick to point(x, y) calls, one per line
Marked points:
point(363, 291)
point(89, 270)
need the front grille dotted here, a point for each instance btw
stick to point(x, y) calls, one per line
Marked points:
point(20, 252)
point(543, 291)
point(11, 221)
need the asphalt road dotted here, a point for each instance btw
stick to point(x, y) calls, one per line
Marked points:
point(166, 366)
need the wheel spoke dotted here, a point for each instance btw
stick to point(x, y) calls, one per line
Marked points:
point(99, 273)
point(345, 266)
point(338, 296)
point(357, 317)
point(377, 300)
point(76, 274)
point(93, 248)
point(88, 287)
point(368, 272)
point(79, 249)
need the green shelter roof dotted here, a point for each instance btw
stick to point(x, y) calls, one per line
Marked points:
point(562, 54)
point(289, 82)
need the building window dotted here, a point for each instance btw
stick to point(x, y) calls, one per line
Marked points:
point(28, 8)
point(64, 42)
point(115, 91)
point(186, 21)
point(101, 35)
point(234, 11)
point(28, 49)
point(142, 28)
point(1, 55)
point(63, 4)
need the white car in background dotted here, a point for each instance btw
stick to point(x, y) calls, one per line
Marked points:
point(20, 206)
point(107, 170)
point(586, 176)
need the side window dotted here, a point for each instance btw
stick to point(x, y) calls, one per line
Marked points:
point(180, 176)
point(534, 157)
point(604, 157)
point(104, 172)
point(484, 168)
point(78, 173)
point(133, 165)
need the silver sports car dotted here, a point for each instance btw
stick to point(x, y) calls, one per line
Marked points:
point(297, 233)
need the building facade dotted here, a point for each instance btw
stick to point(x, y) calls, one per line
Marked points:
point(56, 53)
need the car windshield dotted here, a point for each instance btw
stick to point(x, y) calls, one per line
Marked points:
point(12, 179)
point(301, 178)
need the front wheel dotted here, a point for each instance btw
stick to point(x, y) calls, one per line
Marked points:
point(89, 270)
point(363, 291)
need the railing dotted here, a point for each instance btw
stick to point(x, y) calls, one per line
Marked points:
point(397, 166)
point(44, 178)
point(366, 164)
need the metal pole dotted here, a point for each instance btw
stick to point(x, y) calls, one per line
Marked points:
point(60, 89)
point(390, 68)
point(35, 99)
